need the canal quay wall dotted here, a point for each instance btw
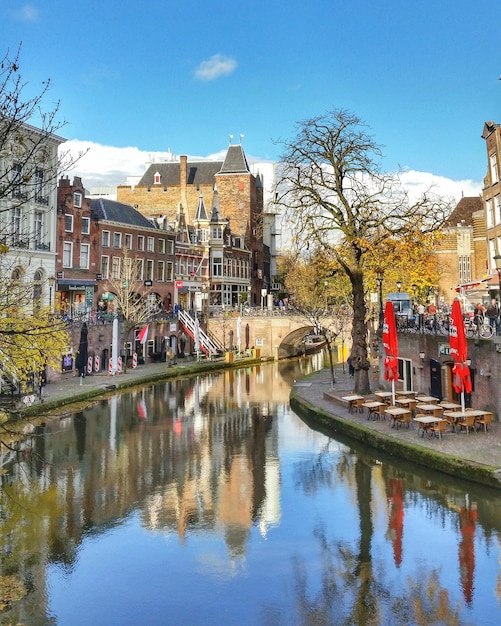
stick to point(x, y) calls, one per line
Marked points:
point(475, 457)
point(427, 367)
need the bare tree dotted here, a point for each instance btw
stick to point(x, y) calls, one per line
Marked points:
point(336, 196)
point(27, 134)
point(132, 300)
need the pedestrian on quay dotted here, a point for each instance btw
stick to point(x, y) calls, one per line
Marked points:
point(492, 313)
point(421, 311)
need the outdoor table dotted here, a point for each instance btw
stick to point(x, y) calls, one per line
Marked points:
point(427, 399)
point(384, 395)
point(373, 407)
point(410, 394)
point(410, 403)
point(456, 416)
point(354, 402)
point(449, 406)
point(432, 409)
point(424, 422)
point(395, 413)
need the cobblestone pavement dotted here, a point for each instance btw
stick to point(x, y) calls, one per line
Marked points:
point(481, 448)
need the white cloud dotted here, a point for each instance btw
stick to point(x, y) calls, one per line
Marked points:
point(218, 65)
point(26, 13)
point(110, 166)
point(418, 182)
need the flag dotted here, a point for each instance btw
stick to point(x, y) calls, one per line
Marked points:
point(143, 335)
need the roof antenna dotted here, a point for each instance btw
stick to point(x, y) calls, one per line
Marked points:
point(230, 137)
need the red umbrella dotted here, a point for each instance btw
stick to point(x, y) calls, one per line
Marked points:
point(461, 372)
point(390, 343)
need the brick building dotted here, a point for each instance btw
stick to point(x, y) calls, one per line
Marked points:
point(167, 185)
point(91, 238)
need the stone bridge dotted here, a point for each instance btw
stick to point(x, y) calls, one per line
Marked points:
point(278, 335)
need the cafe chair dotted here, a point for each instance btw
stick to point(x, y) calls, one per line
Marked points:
point(404, 420)
point(485, 421)
point(468, 423)
point(438, 428)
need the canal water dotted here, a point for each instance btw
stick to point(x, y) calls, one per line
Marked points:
point(207, 501)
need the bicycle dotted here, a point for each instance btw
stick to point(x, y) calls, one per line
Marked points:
point(473, 330)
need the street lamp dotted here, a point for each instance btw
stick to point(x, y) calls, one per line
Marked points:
point(497, 261)
point(52, 281)
point(399, 285)
point(414, 289)
point(326, 284)
point(379, 279)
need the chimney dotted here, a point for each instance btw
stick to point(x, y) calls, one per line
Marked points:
point(183, 178)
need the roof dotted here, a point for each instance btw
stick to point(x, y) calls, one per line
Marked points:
point(463, 213)
point(235, 161)
point(198, 173)
point(113, 211)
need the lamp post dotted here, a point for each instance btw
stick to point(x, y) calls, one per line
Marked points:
point(399, 285)
point(379, 279)
point(497, 261)
point(326, 284)
point(52, 281)
point(414, 290)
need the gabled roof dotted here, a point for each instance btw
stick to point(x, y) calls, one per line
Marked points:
point(198, 173)
point(463, 213)
point(235, 161)
point(113, 211)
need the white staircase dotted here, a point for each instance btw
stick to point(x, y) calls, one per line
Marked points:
point(207, 344)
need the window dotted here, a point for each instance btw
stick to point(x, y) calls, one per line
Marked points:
point(105, 266)
point(157, 179)
point(217, 232)
point(139, 269)
point(39, 187)
point(149, 269)
point(170, 246)
point(38, 228)
point(68, 223)
point(150, 244)
point(84, 256)
point(170, 271)
point(67, 254)
point(128, 241)
point(161, 271)
point(464, 269)
point(140, 242)
point(105, 238)
point(85, 225)
point(490, 213)
point(117, 240)
point(17, 180)
point(77, 200)
point(15, 221)
point(497, 209)
point(494, 168)
point(217, 266)
point(161, 246)
point(115, 268)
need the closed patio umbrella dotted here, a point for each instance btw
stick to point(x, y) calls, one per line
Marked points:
point(83, 351)
point(390, 344)
point(461, 380)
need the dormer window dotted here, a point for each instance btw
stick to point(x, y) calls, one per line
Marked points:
point(157, 179)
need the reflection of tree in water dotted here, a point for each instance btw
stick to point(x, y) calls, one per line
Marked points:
point(353, 588)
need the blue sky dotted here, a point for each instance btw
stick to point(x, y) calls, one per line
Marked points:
point(155, 74)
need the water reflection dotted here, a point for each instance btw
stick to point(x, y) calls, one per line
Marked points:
point(212, 489)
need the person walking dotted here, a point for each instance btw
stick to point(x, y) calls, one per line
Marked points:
point(492, 313)
point(421, 310)
point(478, 317)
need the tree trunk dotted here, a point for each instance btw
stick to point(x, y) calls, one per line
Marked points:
point(361, 361)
